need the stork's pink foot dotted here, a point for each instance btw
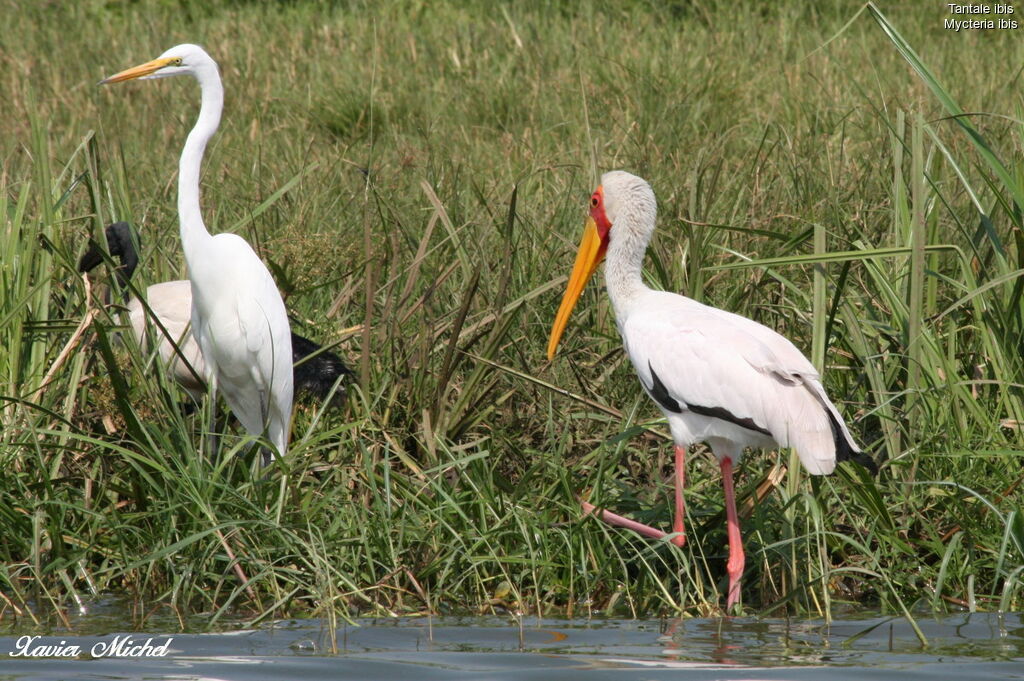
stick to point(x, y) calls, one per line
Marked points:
point(615, 519)
point(734, 568)
point(678, 536)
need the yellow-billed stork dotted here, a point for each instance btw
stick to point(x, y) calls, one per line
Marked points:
point(719, 378)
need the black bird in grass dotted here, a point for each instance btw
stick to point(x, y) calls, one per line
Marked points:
point(171, 303)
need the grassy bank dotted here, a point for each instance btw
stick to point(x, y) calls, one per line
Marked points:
point(416, 175)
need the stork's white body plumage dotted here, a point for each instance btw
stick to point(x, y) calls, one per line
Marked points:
point(719, 378)
point(238, 316)
point(728, 381)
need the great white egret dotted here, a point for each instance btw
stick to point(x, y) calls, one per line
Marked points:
point(718, 377)
point(238, 316)
point(316, 371)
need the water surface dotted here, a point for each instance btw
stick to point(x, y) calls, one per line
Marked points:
point(975, 646)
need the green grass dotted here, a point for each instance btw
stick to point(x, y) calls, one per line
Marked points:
point(416, 176)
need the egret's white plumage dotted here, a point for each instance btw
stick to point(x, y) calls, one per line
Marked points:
point(316, 372)
point(719, 378)
point(238, 317)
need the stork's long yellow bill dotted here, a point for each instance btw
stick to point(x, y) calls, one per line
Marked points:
point(139, 71)
point(589, 255)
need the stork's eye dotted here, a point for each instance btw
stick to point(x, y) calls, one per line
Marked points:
point(593, 201)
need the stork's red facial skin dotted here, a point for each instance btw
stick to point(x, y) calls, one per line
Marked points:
point(598, 214)
point(591, 252)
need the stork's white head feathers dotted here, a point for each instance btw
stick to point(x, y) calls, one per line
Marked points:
point(629, 204)
point(622, 218)
point(632, 211)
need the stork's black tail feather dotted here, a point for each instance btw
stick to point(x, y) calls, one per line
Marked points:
point(845, 449)
point(858, 457)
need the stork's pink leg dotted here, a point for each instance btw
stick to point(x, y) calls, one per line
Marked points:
point(736, 559)
point(614, 519)
point(679, 538)
point(677, 525)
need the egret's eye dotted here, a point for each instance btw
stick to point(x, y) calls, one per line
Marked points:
point(176, 61)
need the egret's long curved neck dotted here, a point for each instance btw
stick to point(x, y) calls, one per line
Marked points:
point(623, 269)
point(193, 231)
